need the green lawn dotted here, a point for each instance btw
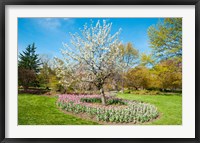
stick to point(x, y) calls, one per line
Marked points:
point(42, 110)
point(169, 107)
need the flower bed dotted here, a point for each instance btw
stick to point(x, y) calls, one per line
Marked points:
point(117, 110)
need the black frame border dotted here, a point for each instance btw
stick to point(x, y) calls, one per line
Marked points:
point(3, 4)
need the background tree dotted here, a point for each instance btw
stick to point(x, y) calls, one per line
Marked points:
point(26, 78)
point(165, 38)
point(169, 74)
point(138, 78)
point(45, 71)
point(130, 57)
point(28, 59)
point(66, 74)
point(166, 42)
point(147, 60)
point(28, 66)
point(98, 50)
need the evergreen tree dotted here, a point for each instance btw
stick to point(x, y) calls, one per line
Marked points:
point(28, 67)
point(28, 59)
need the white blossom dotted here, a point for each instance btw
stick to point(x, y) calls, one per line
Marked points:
point(92, 56)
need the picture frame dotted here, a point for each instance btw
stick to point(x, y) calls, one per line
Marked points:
point(3, 5)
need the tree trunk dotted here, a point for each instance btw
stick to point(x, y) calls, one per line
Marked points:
point(136, 88)
point(122, 81)
point(103, 97)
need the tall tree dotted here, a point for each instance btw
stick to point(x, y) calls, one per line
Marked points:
point(147, 60)
point(130, 57)
point(28, 59)
point(28, 66)
point(45, 71)
point(95, 52)
point(165, 39)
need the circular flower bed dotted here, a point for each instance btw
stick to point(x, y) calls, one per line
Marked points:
point(117, 110)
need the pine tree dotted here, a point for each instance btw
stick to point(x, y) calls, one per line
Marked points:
point(28, 67)
point(28, 59)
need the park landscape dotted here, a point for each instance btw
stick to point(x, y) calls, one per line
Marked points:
point(100, 75)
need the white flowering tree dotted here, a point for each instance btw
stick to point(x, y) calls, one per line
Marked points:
point(65, 73)
point(94, 53)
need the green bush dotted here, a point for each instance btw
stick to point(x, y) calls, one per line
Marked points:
point(91, 100)
point(109, 101)
point(116, 101)
point(146, 92)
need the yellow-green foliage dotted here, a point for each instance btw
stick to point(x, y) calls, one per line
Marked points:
point(165, 38)
point(138, 77)
point(169, 74)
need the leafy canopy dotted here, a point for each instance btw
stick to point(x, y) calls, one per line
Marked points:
point(166, 38)
point(130, 55)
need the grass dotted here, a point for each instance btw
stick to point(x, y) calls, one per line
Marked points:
point(42, 110)
point(169, 107)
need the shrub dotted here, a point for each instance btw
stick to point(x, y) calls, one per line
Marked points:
point(91, 100)
point(127, 91)
point(115, 101)
point(110, 100)
point(146, 92)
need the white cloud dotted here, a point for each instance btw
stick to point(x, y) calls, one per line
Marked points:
point(54, 23)
point(49, 23)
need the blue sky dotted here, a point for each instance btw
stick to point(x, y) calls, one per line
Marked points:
point(48, 34)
